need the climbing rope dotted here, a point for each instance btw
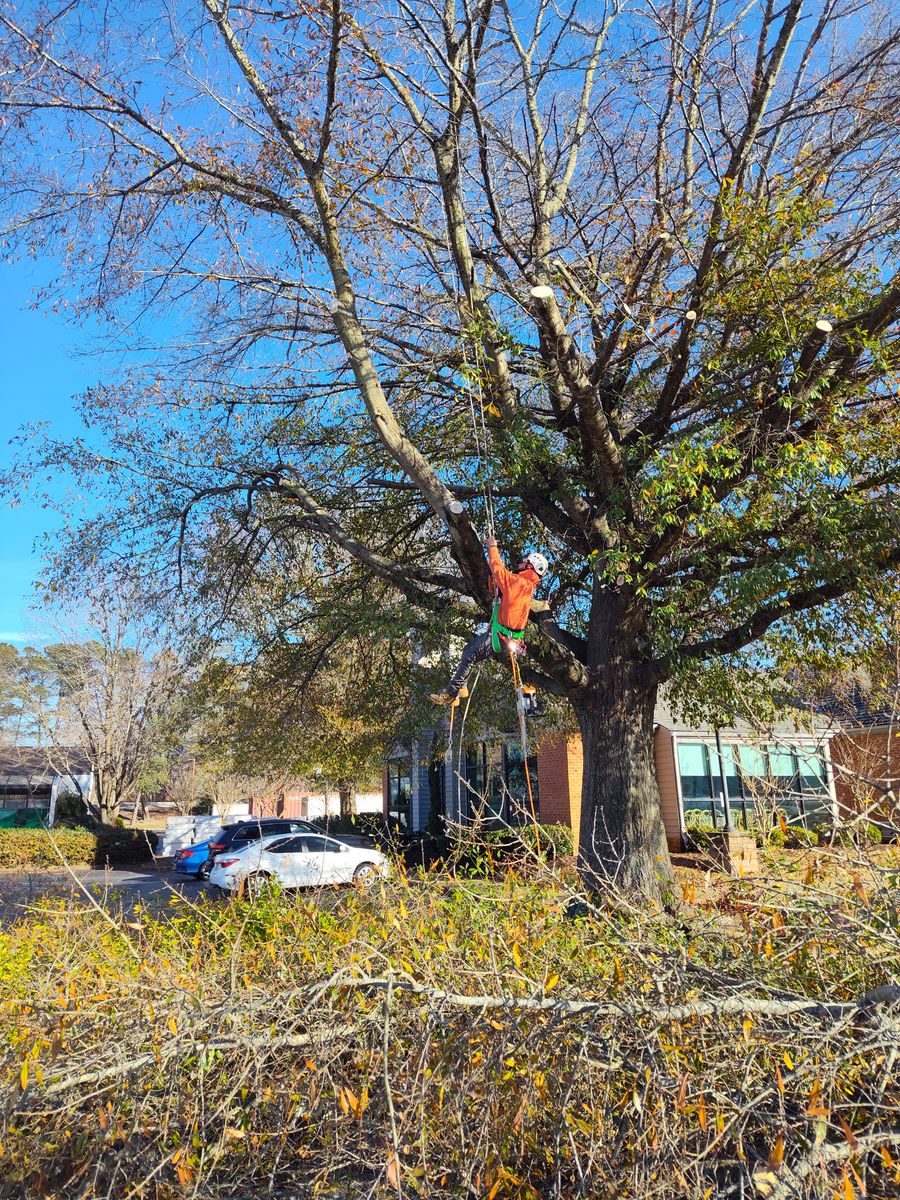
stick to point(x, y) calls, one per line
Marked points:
point(473, 381)
point(523, 734)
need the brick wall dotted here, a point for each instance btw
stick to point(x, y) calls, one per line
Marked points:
point(560, 777)
point(560, 769)
point(872, 754)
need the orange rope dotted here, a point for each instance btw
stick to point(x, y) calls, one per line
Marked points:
point(517, 685)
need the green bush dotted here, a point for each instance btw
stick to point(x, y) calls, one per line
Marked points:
point(699, 836)
point(798, 838)
point(835, 835)
point(872, 834)
point(777, 837)
point(71, 810)
point(34, 848)
point(558, 836)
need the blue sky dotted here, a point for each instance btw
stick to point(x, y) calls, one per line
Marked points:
point(42, 372)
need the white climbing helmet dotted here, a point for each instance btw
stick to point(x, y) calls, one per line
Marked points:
point(538, 563)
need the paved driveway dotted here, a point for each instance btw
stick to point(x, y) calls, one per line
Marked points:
point(19, 889)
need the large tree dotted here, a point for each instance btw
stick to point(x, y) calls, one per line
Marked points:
point(630, 266)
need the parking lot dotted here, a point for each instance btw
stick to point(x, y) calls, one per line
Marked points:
point(150, 887)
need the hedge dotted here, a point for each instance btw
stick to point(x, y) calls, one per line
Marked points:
point(29, 848)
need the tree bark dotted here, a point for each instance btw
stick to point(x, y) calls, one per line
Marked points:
point(347, 799)
point(622, 841)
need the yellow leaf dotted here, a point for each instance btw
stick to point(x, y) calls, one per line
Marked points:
point(776, 1154)
point(23, 1075)
point(701, 1113)
point(847, 1187)
point(815, 1107)
point(764, 1182)
point(551, 983)
point(788, 1061)
point(517, 955)
point(779, 1080)
point(173, 1027)
point(619, 973)
point(748, 1025)
point(886, 1158)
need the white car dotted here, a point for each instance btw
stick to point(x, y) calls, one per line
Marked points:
point(294, 861)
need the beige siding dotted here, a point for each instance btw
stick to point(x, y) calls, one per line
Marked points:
point(666, 781)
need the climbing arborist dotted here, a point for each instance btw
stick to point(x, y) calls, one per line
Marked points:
point(513, 591)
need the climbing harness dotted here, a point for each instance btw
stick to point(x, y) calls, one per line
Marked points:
point(499, 631)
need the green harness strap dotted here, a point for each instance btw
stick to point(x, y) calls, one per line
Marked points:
point(498, 630)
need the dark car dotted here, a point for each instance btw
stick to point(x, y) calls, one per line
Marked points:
point(235, 837)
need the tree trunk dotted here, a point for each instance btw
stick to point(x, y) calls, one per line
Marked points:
point(347, 798)
point(622, 842)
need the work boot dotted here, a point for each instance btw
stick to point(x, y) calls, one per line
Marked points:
point(444, 698)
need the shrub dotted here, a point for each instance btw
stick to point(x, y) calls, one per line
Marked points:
point(35, 847)
point(835, 835)
point(872, 834)
point(38, 848)
point(71, 810)
point(798, 838)
point(777, 837)
point(699, 836)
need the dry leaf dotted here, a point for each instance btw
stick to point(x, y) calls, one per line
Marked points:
point(776, 1154)
point(393, 1170)
point(848, 1134)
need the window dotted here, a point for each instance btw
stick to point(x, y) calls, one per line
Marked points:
point(289, 845)
point(696, 780)
point(399, 791)
point(497, 787)
point(786, 777)
point(517, 785)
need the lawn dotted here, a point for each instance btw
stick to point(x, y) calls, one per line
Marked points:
point(440, 1036)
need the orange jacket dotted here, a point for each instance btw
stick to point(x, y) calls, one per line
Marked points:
point(515, 589)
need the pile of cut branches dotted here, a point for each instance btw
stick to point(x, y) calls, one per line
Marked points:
point(436, 1038)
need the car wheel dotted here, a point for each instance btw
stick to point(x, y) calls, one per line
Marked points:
point(365, 874)
point(255, 885)
point(203, 873)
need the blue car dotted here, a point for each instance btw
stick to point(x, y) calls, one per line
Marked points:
point(192, 860)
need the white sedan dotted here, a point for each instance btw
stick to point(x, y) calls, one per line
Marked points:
point(298, 860)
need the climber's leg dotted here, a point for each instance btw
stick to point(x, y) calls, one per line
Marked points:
point(478, 650)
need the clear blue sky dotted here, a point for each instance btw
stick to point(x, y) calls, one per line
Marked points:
point(42, 372)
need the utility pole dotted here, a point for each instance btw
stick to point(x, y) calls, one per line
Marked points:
point(726, 806)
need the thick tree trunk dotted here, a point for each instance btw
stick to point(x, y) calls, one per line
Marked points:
point(622, 843)
point(347, 799)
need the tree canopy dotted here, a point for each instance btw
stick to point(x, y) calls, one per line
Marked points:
point(630, 268)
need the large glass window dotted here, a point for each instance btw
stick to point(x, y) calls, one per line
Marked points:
point(497, 789)
point(759, 781)
point(696, 778)
point(399, 791)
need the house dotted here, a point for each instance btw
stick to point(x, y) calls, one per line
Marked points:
point(865, 752)
point(30, 785)
point(789, 769)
